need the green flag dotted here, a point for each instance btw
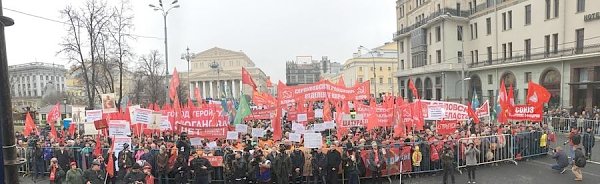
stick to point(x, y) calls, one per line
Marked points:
point(242, 111)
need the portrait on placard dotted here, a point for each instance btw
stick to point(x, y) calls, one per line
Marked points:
point(108, 103)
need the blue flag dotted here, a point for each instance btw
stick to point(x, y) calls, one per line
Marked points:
point(475, 100)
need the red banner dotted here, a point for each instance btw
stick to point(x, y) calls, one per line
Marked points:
point(215, 161)
point(198, 122)
point(526, 113)
point(323, 90)
point(260, 114)
point(384, 115)
point(446, 127)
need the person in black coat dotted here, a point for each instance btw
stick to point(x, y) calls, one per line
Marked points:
point(181, 170)
point(376, 162)
point(64, 158)
point(202, 169)
point(334, 159)
point(136, 175)
point(589, 141)
point(126, 161)
point(351, 165)
point(297, 157)
point(281, 165)
point(37, 159)
point(240, 169)
point(94, 175)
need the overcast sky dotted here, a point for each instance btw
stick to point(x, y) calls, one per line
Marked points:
point(270, 32)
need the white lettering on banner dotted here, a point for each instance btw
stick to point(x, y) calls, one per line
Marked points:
point(93, 115)
point(524, 110)
point(353, 123)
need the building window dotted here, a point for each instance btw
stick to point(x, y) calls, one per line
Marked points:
point(489, 55)
point(402, 64)
point(472, 57)
point(528, 14)
point(555, 41)
point(527, 49)
point(389, 80)
point(580, 6)
point(380, 80)
point(360, 69)
point(509, 19)
point(459, 33)
point(510, 50)
point(504, 51)
point(458, 9)
point(548, 9)
point(476, 31)
point(372, 68)
point(360, 80)
point(579, 42)
point(556, 7)
point(476, 56)
point(389, 68)
point(527, 77)
point(472, 32)
point(380, 68)
point(438, 34)
point(490, 80)
point(459, 55)
point(402, 47)
point(491, 96)
point(488, 26)
point(546, 45)
point(504, 21)
point(471, 7)
point(438, 54)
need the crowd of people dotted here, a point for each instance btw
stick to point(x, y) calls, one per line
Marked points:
point(359, 154)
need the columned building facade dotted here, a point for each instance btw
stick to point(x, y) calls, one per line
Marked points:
point(217, 73)
point(550, 42)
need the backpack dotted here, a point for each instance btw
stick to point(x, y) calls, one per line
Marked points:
point(580, 160)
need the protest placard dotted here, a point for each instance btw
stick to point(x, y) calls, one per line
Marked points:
point(119, 128)
point(313, 140)
point(241, 128)
point(143, 116)
point(318, 113)
point(196, 141)
point(93, 115)
point(295, 137)
point(118, 143)
point(329, 125)
point(302, 118)
point(298, 128)
point(257, 132)
point(232, 135)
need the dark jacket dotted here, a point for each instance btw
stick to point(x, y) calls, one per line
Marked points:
point(297, 157)
point(162, 162)
point(198, 163)
point(561, 159)
point(95, 177)
point(448, 159)
point(64, 158)
point(135, 175)
point(371, 164)
point(351, 166)
point(318, 161)
point(589, 141)
point(126, 159)
point(281, 167)
point(334, 159)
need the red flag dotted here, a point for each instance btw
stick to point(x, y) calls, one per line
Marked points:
point(341, 82)
point(412, 87)
point(537, 95)
point(247, 79)
point(72, 129)
point(29, 125)
point(198, 95)
point(110, 167)
point(471, 113)
point(417, 112)
point(277, 132)
point(504, 105)
point(174, 84)
point(327, 111)
point(372, 121)
point(511, 97)
point(98, 146)
point(190, 104)
point(54, 114)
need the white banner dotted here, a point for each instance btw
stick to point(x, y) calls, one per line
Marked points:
point(257, 132)
point(294, 137)
point(241, 128)
point(298, 128)
point(165, 124)
point(119, 141)
point(318, 127)
point(436, 112)
point(78, 114)
point(302, 118)
point(313, 140)
point(132, 110)
point(329, 125)
point(318, 113)
point(93, 115)
point(196, 141)
point(118, 128)
point(89, 129)
point(143, 116)
point(232, 135)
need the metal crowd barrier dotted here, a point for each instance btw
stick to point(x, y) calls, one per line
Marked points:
point(563, 125)
point(23, 169)
point(399, 155)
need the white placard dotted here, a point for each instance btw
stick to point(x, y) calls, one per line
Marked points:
point(196, 141)
point(118, 142)
point(436, 112)
point(165, 124)
point(89, 129)
point(313, 140)
point(155, 122)
point(78, 114)
point(93, 115)
point(212, 145)
point(318, 113)
point(143, 116)
point(318, 127)
point(328, 125)
point(257, 132)
point(118, 128)
point(298, 128)
point(294, 137)
point(132, 110)
point(241, 128)
point(232, 135)
point(302, 118)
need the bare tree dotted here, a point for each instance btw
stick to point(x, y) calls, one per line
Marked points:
point(120, 25)
point(80, 44)
point(151, 68)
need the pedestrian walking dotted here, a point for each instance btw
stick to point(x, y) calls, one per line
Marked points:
point(471, 159)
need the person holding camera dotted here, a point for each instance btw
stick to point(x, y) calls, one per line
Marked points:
point(471, 160)
point(561, 160)
point(448, 163)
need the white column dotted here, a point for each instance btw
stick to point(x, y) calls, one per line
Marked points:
point(203, 89)
point(191, 91)
point(233, 89)
point(211, 89)
point(241, 86)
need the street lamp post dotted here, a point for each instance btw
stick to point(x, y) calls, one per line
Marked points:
point(215, 66)
point(462, 61)
point(65, 103)
point(165, 11)
point(188, 57)
point(374, 69)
